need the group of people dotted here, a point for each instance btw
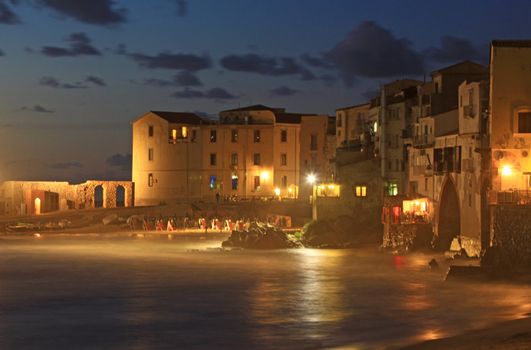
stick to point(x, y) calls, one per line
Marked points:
point(173, 223)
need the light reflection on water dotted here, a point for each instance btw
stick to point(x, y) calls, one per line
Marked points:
point(165, 294)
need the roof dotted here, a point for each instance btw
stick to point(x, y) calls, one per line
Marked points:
point(180, 117)
point(456, 68)
point(512, 43)
point(288, 118)
point(355, 106)
point(254, 108)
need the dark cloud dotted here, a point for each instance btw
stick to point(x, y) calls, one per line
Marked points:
point(122, 161)
point(182, 7)
point(317, 62)
point(55, 83)
point(283, 91)
point(95, 80)
point(374, 52)
point(98, 12)
point(66, 165)
point(168, 60)
point(183, 78)
point(2, 53)
point(79, 45)
point(370, 94)
point(38, 109)
point(453, 49)
point(215, 94)
point(264, 65)
point(7, 16)
point(328, 79)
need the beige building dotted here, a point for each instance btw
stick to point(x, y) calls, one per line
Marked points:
point(254, 151)
point(510, 120)
point(350, 122)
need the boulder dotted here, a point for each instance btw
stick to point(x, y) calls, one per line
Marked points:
point(261, 236)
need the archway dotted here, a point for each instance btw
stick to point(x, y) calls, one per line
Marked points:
point(37, 206)
point(98, 196)
point(449, 218)
point(120, 196)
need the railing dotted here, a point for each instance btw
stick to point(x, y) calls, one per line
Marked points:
point(424, 140)
point(522, 197)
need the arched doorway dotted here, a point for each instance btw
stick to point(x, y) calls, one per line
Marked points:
point(98, 196)
point(37, 206)
point(449, 219)
point(120, 196)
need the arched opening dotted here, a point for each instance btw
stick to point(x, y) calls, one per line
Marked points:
point(37, 206)
point(98, 196)
point(449, 218)
point(120, 196)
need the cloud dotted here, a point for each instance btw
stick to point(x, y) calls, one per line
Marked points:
point(38, 109)
point(283, 91)
point(264, 65)
point(66, 165)
point(54, 83)
point(370, 94)
point(2, 53)
point(7, 16)
point(95, 80)
point(168, 60)
point(80, 45)
point(98, 12)
point(214, 93)
point(317, 62)
point(122, 161)
point(371, 51)
point(183, 78)
point(453, 49)
point(182, 7)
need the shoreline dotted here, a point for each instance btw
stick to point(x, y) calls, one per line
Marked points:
point(506, 335)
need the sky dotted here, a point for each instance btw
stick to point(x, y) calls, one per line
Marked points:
point(74, 74)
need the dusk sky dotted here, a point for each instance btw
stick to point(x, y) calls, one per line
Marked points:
point(74, 74)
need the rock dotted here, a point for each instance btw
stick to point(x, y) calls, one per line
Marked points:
point(434, 265)
point(110, 219)
point(465, 272)
point(260, 236)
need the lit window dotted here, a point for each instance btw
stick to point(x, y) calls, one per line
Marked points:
point(150, 154)
point(150, 180)
point(212, 183)
point(234, 135)
point(213, 136)
point(234, 182)
point(257, 136)
point(361, 191)
point(392, 189)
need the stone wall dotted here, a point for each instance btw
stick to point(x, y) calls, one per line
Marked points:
point(511, 234)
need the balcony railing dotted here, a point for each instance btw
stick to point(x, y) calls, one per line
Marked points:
point(521, 197)
point(424, 140)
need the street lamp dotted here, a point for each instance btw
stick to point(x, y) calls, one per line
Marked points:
point(312, 179)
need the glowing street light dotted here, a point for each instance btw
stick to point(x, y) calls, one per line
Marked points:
point(506, 170)
point(311, 179)
point(264, 175)
point(277, 191)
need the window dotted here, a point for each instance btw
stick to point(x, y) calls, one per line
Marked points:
point(234, 135)
point(234, 182)
point(257, 136)
point(256, 182)
point(234, 159)
point(213, 136)
point(284, 159)
point(194, 135)
point(313, 142)
point(284, 182)
point(524, 122)
point(150, 180)
point(150, 154)
point(283, 135)
point(256, 159)
point(150, 131)
point(212, 183)
point(179, 133)
point(213, 159)
point(361, 191)
point(392, 189)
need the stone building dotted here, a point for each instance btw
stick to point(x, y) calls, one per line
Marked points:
point(250, 152)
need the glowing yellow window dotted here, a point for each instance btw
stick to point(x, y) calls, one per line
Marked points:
point(361, 191)
point(174, 134)
point(184, 132)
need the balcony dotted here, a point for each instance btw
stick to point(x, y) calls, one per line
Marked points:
point(423, 141)
point(518, 197)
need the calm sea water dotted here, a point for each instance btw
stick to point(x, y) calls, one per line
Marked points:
point(97, 293)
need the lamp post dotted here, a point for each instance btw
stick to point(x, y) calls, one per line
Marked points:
point(312, 179)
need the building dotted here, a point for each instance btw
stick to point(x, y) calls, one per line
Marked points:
point(250, 152)
point(350, 123)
